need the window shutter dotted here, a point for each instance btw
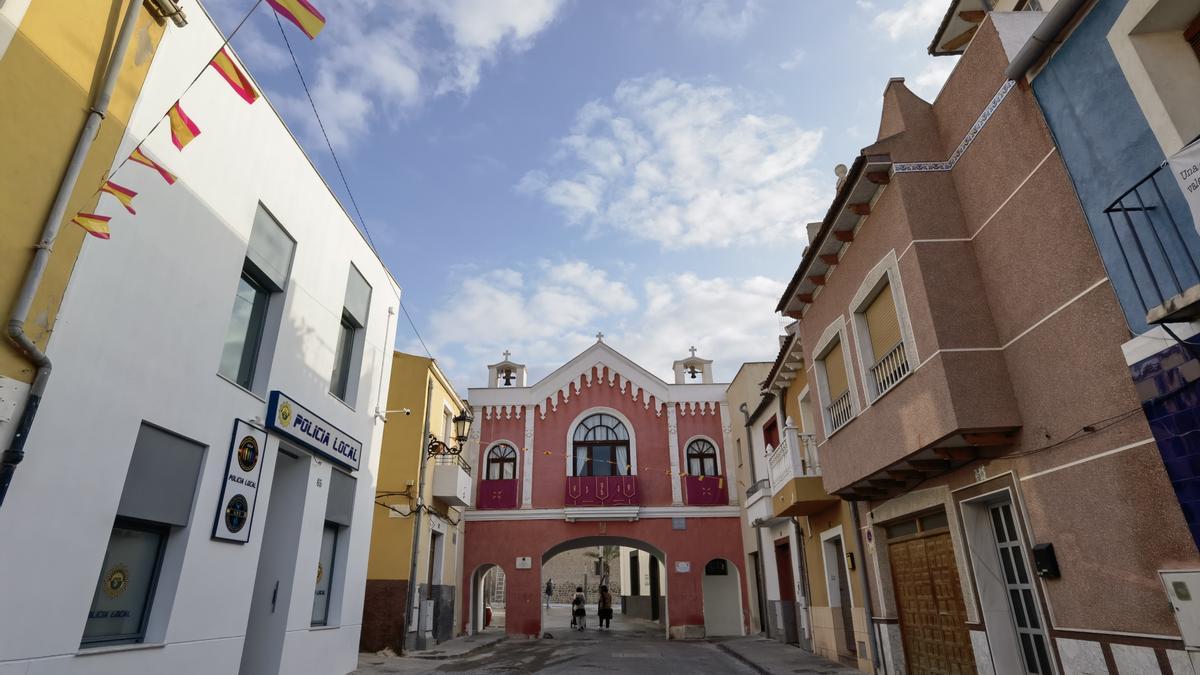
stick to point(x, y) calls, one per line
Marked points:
point(882, 323)
point(340, 506)
point(358, 296)
point(270, 249)
point(161, 481)
point(835, 372)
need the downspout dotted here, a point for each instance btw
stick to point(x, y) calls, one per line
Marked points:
point(11, 457)
point(1043, 37)
point(416, 536)
point(762, 583)
point(862, 572)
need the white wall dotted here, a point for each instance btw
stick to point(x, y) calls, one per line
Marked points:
point(139, 338)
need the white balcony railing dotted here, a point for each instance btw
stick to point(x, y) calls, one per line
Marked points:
point(890, 369)
point(840, 411)
point(795, 457)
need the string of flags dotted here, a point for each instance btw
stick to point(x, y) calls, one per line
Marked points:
point(183, 129)
point(645, 469)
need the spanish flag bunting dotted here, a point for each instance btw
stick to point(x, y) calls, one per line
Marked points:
point(302, 13)
point(183, 129)
point(224, 65)
point(96, 225)
point(123, 194)
point(141, 158)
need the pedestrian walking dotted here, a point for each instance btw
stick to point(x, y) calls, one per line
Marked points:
point(605, 608)
point(578, 614)
point(549, 591)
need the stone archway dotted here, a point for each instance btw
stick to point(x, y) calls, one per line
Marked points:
point(609, 540)
point(478, 602)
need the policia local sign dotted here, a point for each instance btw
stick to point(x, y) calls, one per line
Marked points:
point(235, 508)
point(301, 425)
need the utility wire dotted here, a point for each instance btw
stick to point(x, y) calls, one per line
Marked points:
point(345, 183)
point(415, 331)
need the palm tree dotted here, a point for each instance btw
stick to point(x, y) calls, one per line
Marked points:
point(604, 556)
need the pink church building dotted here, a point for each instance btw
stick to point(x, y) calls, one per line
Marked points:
point(599, 452)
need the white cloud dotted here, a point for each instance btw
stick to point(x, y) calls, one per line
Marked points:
point(380, 58)
point(914, 17)
point(794, 61)
point(551, 313)
point(717, 19)
point(684, 165)
point(929, 81)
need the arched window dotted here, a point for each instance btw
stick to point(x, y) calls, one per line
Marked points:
point(701, 458)
point(501, 462)
point(601, 447)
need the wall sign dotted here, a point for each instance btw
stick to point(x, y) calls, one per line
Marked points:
point(524, 562)
point(239, 491)
point(308, 429)
point(683, 566)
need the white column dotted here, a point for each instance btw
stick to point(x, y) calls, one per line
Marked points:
point(527, 476)
point(731, 476)
point(673, 449)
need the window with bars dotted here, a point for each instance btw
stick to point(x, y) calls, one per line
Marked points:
point(502, 462)
point(839, 410)
point(888, 361)
point(701, 458)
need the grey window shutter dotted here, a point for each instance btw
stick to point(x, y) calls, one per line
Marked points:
point(340, 507)
point(161, 482)
point(358, 296)
point(270, 249)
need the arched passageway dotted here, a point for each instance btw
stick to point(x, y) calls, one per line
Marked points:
point(487, 604)
point(608, 563)
point(722, 591)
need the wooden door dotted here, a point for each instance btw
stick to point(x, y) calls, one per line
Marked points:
point(930, 603)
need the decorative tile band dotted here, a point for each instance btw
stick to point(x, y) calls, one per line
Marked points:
point(917, 167)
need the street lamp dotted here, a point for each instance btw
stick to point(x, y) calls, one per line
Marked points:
point(462, 430)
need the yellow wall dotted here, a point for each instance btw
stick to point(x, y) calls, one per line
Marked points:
point(792, 400)
point(399, 463)
point(49, 75)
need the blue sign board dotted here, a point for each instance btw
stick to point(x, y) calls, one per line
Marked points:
point(300, 424)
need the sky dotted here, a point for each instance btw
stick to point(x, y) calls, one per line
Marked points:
point(535, 172)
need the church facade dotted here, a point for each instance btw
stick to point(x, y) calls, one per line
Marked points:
point(602, 452)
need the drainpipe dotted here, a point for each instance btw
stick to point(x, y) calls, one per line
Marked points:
point(762, 583)
point(1043, 37)
point(11, 457)
point(411, 595)
point(862, 572)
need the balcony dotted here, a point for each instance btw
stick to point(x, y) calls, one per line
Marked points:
point(758, 505)
point(1155, 236)
point(840, 411)
point(890, 369)
point(796, 487)
point(452, 479)
point(705, 491)
point(498, 494)
point(602, 491)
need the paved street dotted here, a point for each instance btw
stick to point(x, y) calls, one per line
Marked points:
point(632, 646)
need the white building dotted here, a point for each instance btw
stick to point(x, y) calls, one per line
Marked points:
point(242, 292)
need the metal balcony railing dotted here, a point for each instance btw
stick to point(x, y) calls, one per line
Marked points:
point(452, 459)
point(759, 485)
point(890, 369)
point(840, 411)
point(1155, 233)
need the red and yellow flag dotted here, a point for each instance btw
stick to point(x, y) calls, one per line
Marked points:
point(302, 13)
point(123, 194)
point(97, 226)
point(141, 158)
point(183, 129)
point(224, 65)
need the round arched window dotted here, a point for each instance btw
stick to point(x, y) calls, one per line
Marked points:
point(701, 458)
point(501, 462)
point(601, 447)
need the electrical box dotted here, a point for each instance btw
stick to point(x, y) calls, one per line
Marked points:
point(1183, 590)
point(1045, 563)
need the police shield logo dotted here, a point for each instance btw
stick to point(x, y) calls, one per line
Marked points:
point(247, 453)
point(236, 513)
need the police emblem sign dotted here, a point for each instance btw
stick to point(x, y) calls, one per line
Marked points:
point(289, 418)
point(235, 508)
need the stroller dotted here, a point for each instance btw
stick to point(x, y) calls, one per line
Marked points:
point(578, 615)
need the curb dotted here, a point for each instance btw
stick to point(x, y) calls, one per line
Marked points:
point(470, 652)
point(757, 668)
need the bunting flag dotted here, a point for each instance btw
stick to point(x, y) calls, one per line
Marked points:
point(141, 158)
point(123, 194)
point(302, 13)
point(97, 226)
point(183, 129)
point(224, 65)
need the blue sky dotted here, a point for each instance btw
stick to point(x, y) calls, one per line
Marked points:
point(535, 171)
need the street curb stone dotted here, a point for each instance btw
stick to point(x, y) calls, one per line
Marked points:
point(735, 654)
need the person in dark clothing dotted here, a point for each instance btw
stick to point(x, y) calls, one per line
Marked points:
point(549, 592)
point(578, 615)
point(605, 611)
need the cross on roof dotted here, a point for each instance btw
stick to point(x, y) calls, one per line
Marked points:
point(507, 354)
point(599, 336)
point(693, 351)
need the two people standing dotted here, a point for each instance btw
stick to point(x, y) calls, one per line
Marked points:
point(604, 609)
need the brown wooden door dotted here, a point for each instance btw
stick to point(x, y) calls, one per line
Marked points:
point(932, 614)
point(783, 568)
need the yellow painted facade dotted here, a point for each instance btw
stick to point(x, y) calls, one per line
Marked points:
point(50, 72)
point(399, 467)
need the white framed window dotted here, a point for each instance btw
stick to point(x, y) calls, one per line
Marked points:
point(702, 458)
point(832, 367)
point(601, 442)
point(886, 351)
point(121, 602)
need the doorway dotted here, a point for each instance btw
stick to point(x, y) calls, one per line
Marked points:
point(273, 582)
point(837, 588)
point(487, 602)
point(722, 589)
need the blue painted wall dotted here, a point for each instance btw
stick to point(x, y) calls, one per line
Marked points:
point(1108, 147)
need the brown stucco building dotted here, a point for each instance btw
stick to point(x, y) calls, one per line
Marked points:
point(957, 363)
